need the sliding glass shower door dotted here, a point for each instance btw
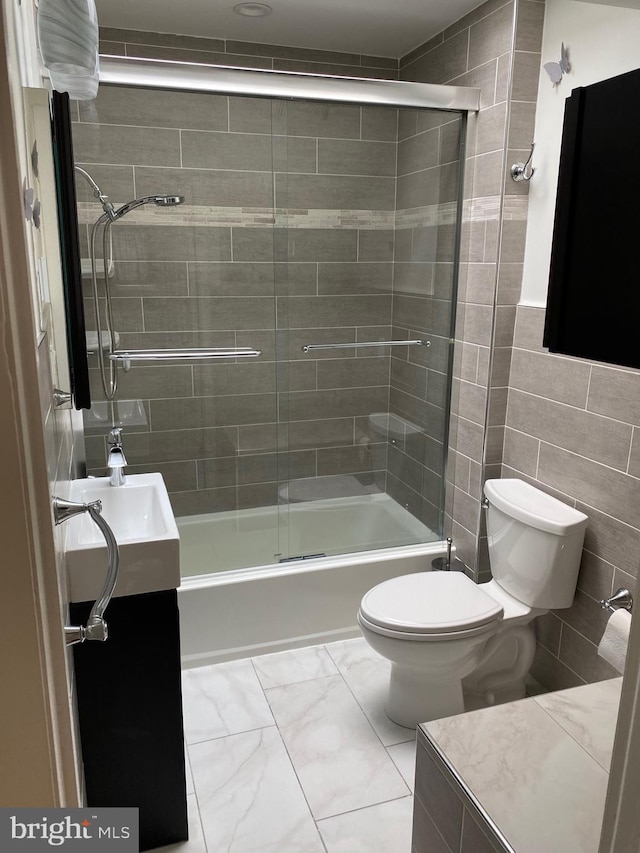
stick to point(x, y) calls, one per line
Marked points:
point(367, 203)
point(323, 235)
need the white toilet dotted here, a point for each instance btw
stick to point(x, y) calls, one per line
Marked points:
point(450, 640)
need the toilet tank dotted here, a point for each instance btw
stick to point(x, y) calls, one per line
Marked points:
point(535, 543)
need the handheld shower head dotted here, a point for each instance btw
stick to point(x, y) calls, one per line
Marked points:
point(160, 200)
point(169, 200)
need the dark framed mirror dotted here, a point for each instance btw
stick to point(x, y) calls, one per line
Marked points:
point(593, 307)
point(70, 250)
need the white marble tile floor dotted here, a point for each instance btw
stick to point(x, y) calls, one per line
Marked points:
point(292, 753)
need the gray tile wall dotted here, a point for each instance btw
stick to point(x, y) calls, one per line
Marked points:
point(571, 429)
point(479, 50)
point(151, 45)
point(428, 180)
point(217, 431)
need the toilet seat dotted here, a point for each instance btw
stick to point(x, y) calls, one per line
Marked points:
point(429, 606)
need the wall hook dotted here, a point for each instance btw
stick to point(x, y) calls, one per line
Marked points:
point(519, 170)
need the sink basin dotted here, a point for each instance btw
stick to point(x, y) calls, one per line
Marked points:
point(140, 515)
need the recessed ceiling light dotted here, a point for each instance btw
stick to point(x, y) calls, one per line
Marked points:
point(253, 10)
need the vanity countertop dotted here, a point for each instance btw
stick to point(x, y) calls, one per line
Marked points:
point(538, 769)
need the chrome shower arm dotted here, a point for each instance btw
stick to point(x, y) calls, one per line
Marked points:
point(102, 198)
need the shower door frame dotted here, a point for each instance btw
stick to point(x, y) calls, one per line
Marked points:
point(293, 86)
point(222, 80)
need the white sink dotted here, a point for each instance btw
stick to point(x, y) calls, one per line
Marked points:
point(140, 515)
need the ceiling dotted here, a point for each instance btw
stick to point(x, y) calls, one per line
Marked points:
point(389, 28)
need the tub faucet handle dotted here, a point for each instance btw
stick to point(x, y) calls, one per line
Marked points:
point(115, 437)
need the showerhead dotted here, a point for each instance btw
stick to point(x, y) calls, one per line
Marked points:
point(169, 200)
point(160, 200)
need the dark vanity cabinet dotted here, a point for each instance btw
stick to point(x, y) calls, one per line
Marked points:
point(593, 307)
point(130, 712)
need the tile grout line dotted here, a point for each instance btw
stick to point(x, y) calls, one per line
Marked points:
point(363, 710)
point(286, 749)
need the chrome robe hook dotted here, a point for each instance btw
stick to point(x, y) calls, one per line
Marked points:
point(519, 170)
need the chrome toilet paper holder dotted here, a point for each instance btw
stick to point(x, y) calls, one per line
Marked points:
point(621, 599)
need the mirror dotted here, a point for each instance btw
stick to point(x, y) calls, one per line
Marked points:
point(592, 306)
point(70, 250)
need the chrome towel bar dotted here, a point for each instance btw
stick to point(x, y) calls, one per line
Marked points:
point(195, 354)
point(418, 343)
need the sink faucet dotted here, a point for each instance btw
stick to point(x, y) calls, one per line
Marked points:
point(115, 457)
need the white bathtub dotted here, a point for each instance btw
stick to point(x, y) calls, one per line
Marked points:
point(230, 613)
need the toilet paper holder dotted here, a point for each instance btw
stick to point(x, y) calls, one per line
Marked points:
point(621, 598)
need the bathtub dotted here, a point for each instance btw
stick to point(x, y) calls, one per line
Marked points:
point(299, 573)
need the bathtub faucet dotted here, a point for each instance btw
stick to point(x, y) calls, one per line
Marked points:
point(116, 459)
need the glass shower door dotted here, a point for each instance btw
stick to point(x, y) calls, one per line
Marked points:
point(367, 240)
point(196, 275)
point(323, 235)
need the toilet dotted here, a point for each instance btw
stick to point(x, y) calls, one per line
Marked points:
point(456, 645)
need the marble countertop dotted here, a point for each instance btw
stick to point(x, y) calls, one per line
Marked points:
point(538, 768)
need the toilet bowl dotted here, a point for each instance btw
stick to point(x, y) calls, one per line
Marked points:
point(454, 644)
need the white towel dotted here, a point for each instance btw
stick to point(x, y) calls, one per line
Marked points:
point(68, 35)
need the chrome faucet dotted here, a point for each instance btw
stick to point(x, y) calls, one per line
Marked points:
point(116, 459)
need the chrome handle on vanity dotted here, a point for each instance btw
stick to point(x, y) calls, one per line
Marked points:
point(193, 354)
point(96, 627)
point(417, 343)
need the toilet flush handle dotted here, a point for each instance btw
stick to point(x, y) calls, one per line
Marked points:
point(485, 503)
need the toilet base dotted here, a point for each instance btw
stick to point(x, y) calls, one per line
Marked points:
point(474, 700)
point(413, 700)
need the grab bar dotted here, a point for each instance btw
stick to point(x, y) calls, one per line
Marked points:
point(194, 354)
point(96, 628)
point(417, 343)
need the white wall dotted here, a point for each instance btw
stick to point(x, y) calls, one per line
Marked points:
point(603, 41)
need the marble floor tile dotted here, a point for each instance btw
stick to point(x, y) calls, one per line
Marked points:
point(337, 757)
point(403, 756)
point(292, 666)
point(367, 675)
point(223, 699)
point(385, 828)
point(250, 800)
point(195, 844)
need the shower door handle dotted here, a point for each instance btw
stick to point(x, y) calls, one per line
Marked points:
point(195, 354)
point(416, 343)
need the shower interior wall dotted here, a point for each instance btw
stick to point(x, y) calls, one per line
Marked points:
point(364, 252)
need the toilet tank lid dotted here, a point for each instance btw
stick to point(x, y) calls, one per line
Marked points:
point(525, 503)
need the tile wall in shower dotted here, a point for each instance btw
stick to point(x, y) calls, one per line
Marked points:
point(203, 275)
point(225, 436)
point(150, 45)
point(495, 47)
point(427, 206)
